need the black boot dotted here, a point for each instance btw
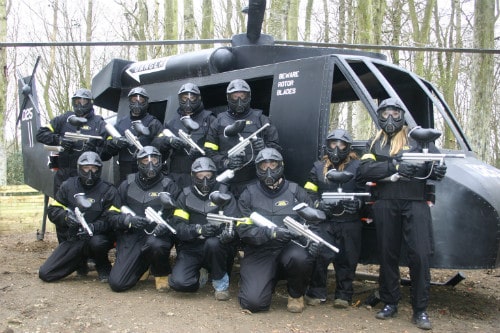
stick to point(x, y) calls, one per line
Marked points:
point(389, 311)
point(421, 319)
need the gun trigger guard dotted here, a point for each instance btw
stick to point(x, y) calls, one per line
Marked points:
point(148, 233)
point(302, 246)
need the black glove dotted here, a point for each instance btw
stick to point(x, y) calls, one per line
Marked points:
point(209, 230)
point(160, 230)
point(83, 234)
point(71, 220)
point(314, 249)
point(258, 144)
point(282, 235)
point(90, 145)
point(176, 143)
point(408, 170)
point(194, 153)
point(327, 207)
point(226, 236)
point(438, 171)
point(235, 162)
point(120, 142)
point(67, 144)
point(136, 222)
point(351, 206)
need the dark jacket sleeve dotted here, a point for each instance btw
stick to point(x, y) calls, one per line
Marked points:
point(248, 232)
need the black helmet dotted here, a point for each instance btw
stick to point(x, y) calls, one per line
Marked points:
point(189, 99)
point(138, 108)
point(239, 105)
point(269, 176)
point(207, 183)
point(151, 168)
point(390, 124)
point(81, 110)
point(89, 177)
point(337, 154)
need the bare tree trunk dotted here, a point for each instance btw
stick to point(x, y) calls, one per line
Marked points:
point(207, 23)
point(228, 30)
point(307, 33)
point(421, 28)
point(3, 92)
point(189, 23)
point(293, 20)
point(482, 79)
point(52, 62)
point(395, 17)
point(171, 31)
point(326, 38)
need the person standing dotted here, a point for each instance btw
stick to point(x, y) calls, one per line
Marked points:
point(140, 243)
point(400, 211)
point(343, 225)
point(203, 245)
point(269, 253)
point(181, 155)
point(217, 144)
point(100, 199)
point(53, 134)
point(144, 126)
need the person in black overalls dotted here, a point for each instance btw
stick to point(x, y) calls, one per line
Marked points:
point(144, 126)
point(203, 247)
point(53, 135)
point(217, 144)
point(400, 210)
point(269, 253)
point(177, 155)
point(343, 226)
point(101, 198)
point(141, 244)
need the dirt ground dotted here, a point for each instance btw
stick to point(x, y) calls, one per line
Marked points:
point(84, 305)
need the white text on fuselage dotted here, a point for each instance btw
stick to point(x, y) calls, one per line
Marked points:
point(286, 83)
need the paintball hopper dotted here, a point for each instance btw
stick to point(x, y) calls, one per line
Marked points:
point(166, 200)
point(234, 129)
point(219, 199)
point(140, 128)
point(82, 201)
point(309, 214)
point(424, 136)
point(340, 177)
point(78, 122)
point(189, 124)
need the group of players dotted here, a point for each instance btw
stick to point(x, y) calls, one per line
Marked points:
point(164, 179)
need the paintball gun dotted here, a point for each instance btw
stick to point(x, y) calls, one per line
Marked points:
point(424, 136)
point(220, 199)
point(303, 230)
point(77, 122)
point(261, 221)
point(154, 216)
point(240, 147)
point(340, 177)
point(190, 125)
point(83, 202)
point(132, 139)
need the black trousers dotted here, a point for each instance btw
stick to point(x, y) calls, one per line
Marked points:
point(210, 254)
point(136, 252)
point(260, 270)
point(347, 237)
point(69, 255)
point(408, 221)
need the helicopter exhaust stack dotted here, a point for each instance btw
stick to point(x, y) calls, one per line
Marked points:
point(255, 13)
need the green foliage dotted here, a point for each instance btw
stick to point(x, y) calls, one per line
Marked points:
point(15, 170)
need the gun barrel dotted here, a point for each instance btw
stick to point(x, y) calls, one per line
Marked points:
point(261, 221)
point(127, 210)
point(154, 216)
point(343, 195)
point(132, 139)
point(245, 142)
point(187, 139)
point(219, 219)
point(225, 176)
point(300, 229)
point(81, 219)
point(112, 131)
point(53, 148)
point(80, 137)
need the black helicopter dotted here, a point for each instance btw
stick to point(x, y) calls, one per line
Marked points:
point(297, 87)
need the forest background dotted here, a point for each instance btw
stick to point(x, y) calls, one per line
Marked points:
point(452, 43)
